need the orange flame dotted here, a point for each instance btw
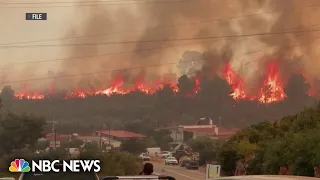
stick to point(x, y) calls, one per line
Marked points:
point(270, 91)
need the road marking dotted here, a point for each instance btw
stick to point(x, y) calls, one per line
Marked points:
point(180, 168)
point(189, 177)
point(198, 172)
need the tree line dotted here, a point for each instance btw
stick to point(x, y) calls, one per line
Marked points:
point(143, 113)
point(19, 135)
point(290, 145)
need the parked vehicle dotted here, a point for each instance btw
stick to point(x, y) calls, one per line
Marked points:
point(171, 161)
point(144, 157)
point(164, 154)
point(184, 163)
point(153, 151)
point(181, 153)
point(192, 164)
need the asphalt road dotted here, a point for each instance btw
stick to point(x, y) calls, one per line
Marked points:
point(178, 172)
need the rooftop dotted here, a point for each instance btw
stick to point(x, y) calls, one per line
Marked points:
point(223, 133)
point(58, 137)
point(122, 134)
point(209, 131)
point(227, 131)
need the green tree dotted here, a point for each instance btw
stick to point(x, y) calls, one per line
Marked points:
point(120, 163)
point(134, 145)
point(185, 84)
point(227, 156)
point(76, 143)
point(42, 145)
point(163, 139)
point(7, 95)
point(20, 131)
point(91, 147)
point(115, 163)
point(292, 142)
point(206, 147)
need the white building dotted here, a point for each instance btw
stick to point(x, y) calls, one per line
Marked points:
point(183, 133)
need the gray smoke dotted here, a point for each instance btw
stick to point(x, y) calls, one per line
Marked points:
point(175, 20)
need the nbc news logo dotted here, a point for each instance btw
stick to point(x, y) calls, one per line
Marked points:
point(20, 165)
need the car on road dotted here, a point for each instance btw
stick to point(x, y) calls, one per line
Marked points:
point(266, 177)
point(184, 163)
point(145, 157)
point(59, 176)
point(171, 161)
point(165, 154)
point(192, 164)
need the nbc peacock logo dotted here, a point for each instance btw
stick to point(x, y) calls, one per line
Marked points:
point(19, 165)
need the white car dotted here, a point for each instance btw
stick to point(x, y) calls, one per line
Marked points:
point(171, 160)
point(145, 157)
point(164, 154)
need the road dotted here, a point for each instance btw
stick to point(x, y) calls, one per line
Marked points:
point(178, 172)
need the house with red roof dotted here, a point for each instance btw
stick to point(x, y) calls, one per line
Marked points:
point(119, 135)
point(57, 137)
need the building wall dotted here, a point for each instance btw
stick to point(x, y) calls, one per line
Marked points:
point(195, 135)
point(187, 136)
point(177, 134)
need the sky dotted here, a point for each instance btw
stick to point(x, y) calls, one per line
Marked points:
point(66, 20)
point(135, 21)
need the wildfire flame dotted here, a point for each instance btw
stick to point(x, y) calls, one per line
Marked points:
point(270, 91)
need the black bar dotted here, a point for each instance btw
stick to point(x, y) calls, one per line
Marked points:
point(138, 177)
point(36, 16)
point(110, 177)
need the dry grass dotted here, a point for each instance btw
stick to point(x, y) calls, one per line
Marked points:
point(157, 159)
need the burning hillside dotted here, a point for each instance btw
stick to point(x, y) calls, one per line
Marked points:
point(270, 90)
point(100, 42)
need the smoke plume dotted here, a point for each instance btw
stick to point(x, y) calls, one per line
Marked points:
point(160, 22)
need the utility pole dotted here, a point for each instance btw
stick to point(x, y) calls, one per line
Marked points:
point(2, 82)
point(55, 139)
point(109, 136)
point(100, 139)
point(69, 138)
point(3, 76)
point(54, 133)
point(2, 113)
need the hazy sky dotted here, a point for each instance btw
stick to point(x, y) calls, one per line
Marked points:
point(65, 21)
point(136, 22)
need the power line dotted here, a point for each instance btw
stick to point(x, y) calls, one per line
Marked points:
point(104, 54)
point(147, 49)
point(109, 4)
point(162, 26)
point(123, 69)
point(98, 72)
point(76, 2)
point(295, 45)
point(165, 40)
point(107, 54)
